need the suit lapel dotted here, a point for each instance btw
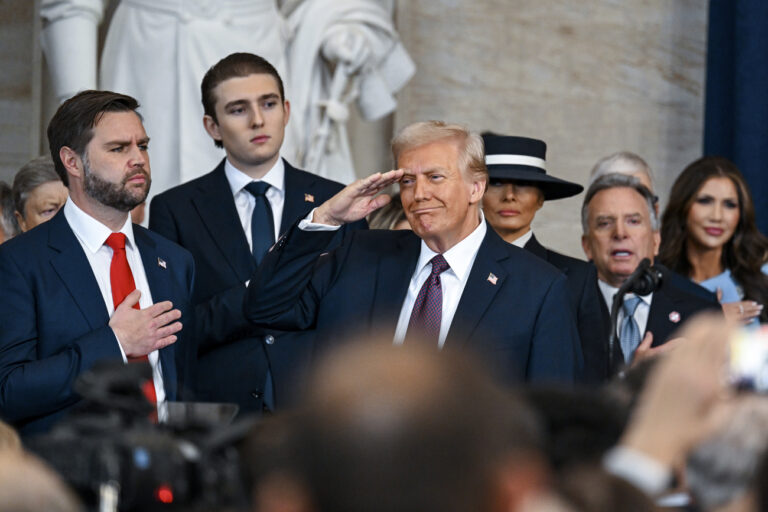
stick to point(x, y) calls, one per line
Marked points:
point(659, 323)
point(299, 198)
point(158, 277)
point(393, 275)
point(71, 264)
point(480, 288)
point(218, 214)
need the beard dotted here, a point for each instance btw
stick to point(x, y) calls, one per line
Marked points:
point(115, 195)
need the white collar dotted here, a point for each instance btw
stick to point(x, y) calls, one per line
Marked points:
point(609, 291)
point(520, 242)
point(238, 179)
point(461, 256)
point(90, 231)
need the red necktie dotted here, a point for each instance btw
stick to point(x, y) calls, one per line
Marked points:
point(121, 278)
point(427, 311)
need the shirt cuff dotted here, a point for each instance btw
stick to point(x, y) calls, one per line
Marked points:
point(306, 224)
point(635, 467)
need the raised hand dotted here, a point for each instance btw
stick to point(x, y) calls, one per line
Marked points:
point(356, 200)
point(141, 331)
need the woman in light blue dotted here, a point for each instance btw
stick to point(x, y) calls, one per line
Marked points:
point(708, 233)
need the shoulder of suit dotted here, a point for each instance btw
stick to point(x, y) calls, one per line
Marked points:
point(681, 288)
point(307, 179)
point(522, 259)
point(190, 187)
point(28, 244)
point(563, 261)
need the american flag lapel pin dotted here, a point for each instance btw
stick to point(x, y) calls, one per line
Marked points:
point(309, 198)
point(492, 278)
point(674, 317)
point(161, 263)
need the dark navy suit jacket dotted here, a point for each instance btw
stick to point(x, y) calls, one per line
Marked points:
point(671, 307)
point(584, 298)
point(234, 356)
point(513, 311)
point(54, 323)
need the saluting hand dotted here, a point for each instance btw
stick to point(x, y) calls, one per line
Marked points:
point(356, 200)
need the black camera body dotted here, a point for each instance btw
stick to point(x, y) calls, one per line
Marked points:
point(109, 450)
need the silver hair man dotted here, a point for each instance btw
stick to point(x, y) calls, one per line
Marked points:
point(615, 180)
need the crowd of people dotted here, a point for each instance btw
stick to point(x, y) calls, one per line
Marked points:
point(420, 350)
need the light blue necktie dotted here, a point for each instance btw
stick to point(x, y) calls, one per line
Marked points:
point(630, 332)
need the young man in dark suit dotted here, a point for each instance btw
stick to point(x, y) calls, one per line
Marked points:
point(228, 219)
point(452, 282)
point(621, 228)
point(88, 285)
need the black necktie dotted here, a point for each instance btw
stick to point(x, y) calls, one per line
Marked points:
point(262, 224)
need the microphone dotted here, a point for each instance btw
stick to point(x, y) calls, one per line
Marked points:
point(644, 280)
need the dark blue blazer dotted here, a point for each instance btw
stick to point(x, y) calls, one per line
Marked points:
point(671, 307)
point(233, 355)
point(54, 323)
point(584, 298)
point(519, 320)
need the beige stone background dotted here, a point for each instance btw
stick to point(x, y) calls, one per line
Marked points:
point(590, 77)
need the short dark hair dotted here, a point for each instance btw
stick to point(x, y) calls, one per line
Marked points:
point(234, 65)
point(72, 124)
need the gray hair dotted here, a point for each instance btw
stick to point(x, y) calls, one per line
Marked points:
point(36, 172)
point(723, 467)
point(471, 148)
point(622, 162)
point(8, 222)
point(609, 181)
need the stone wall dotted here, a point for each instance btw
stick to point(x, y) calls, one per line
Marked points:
point(590, 78)
point(20, 85)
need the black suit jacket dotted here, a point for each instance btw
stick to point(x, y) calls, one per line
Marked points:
point(670, 308)
point(583, 296)
point(513, 311)
point(234, 356)
point(54, 324)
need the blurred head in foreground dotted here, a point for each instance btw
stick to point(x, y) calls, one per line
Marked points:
point(408, 429)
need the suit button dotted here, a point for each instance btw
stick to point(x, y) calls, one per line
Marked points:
point(269, 339)
point(257, 394)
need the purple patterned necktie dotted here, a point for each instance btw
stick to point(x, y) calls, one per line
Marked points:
point(428, 309)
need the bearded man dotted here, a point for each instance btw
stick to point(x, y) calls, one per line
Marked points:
point(89, 285)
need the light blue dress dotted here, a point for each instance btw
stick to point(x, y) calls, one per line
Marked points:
point(732, 291)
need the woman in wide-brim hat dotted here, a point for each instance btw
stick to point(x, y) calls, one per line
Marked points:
point(518, 186)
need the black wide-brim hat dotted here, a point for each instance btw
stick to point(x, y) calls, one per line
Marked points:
point(523, 159)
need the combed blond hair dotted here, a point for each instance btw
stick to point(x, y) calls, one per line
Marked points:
point(470, 144)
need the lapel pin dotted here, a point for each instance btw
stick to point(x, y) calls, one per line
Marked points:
point(161, 263)
point(492, 278)
point(309, 198)
point(674, 317)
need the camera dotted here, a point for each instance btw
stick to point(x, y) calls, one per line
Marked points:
point(117, 457)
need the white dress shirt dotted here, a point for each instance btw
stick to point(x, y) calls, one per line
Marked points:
point(92, 236)
point(520, 242)
point(245, 202)
point(460, 257)
point(641, 313)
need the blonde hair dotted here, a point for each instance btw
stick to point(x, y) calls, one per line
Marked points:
point(470, 144)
